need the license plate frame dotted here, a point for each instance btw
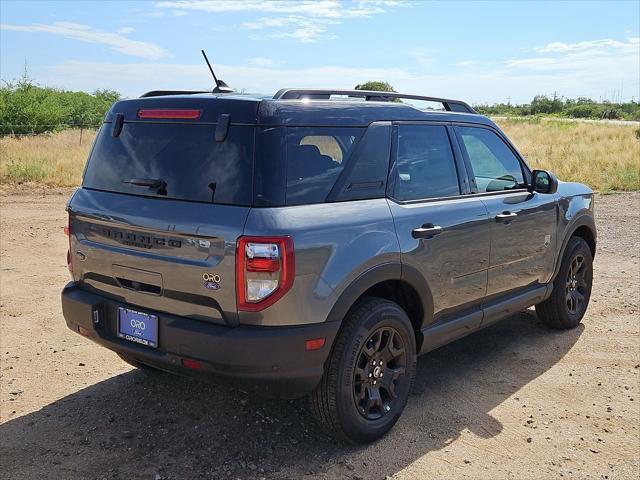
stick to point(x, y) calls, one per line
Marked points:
point(138, 327)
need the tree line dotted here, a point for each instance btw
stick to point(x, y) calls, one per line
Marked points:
point(544, 105)
point(566, 108)
point(28, 108)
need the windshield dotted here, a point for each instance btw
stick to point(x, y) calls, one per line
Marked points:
point(176, 161)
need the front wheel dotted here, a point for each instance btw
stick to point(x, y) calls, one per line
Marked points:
point(571, 289)
point(369, 374)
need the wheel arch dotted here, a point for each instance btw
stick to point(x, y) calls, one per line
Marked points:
point(395, 282)
point(583, 227)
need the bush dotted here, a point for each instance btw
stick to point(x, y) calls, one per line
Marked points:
point(579, 108)
point(31, 171)
point(585, 110)
point(26, 107)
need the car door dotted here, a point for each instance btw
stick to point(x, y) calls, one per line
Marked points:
point(523, 227)
point(443, 234)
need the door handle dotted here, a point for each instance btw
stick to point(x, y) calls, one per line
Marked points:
point(427, 230)
point(506, 216)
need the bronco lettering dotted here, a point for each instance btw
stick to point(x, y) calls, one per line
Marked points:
point(139, 240)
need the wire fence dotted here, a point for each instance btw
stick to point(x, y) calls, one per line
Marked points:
point(36, 130)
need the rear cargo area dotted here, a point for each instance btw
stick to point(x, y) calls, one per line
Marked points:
point(165, 196)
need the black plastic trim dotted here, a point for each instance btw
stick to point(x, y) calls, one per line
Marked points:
point(275, 357)
point(584, 220)
point(378, 274)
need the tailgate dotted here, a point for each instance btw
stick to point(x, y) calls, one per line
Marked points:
point(164, 255)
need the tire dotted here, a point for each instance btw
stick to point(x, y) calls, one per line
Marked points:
point(345, 402)
point(569, 299)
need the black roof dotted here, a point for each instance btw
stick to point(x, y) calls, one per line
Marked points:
point(255, 109)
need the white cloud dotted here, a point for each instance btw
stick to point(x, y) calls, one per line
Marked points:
point(606, 58)
point(519, 79)
point(126, 30)
point(84, 33)
point(305, 20)
point(303, 29)
point(261, 62)
point(312, 8)
point(589, 45)
point(135, 78)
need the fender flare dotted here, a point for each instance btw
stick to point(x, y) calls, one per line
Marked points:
point(378, 274)
point(584, 220)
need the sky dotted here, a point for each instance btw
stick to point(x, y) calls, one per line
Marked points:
point(481, 52)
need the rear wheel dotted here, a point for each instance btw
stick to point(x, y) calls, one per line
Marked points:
point(369, 374)
point(571, 289)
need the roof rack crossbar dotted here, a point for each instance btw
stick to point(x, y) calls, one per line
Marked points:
point(369, 95)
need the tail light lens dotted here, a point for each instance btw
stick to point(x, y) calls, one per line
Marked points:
point(265, 269)
point(68, 232)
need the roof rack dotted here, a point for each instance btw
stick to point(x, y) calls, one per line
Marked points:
point(160, 93)
point(369, 95)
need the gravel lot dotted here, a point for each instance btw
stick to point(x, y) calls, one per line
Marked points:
point(514, 401)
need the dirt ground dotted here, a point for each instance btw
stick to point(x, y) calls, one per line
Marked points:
point(514, 401)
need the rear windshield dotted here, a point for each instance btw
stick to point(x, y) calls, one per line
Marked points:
point(176, 161)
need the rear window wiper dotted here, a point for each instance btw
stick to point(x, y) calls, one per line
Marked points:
point(157, 184)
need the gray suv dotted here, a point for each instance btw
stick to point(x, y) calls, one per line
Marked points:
point(316, 242)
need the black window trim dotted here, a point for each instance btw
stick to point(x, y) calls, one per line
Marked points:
point(524, 167)
point(463, 181)
point(334, 194)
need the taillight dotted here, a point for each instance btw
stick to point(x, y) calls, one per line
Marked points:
point(68, 232)
point(265, 269)
point(168, 113)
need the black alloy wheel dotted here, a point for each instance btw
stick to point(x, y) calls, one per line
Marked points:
point(576, 285)
point(381, 364)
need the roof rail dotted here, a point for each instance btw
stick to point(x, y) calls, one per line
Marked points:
point(368, 95)
point(160, 93)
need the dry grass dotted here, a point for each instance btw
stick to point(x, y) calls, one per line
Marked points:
point(605, 157)
point(55, 159)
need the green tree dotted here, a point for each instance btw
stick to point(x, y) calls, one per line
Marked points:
point(26, 107)
point(376, 86)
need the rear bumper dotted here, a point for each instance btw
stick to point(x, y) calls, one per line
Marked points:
point(271, 358)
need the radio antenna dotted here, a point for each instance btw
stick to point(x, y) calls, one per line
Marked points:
point(220, 87)
point(210, 68)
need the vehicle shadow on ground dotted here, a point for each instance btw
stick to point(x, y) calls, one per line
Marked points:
point(140, 425)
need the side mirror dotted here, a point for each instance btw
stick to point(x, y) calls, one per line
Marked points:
point(543, 181)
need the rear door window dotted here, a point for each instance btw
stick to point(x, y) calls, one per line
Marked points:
point(186, 158)
point(425, 166)
point(315, 158)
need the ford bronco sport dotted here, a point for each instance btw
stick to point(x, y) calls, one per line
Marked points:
point(315, 242)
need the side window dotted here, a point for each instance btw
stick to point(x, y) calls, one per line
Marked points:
point(424, 163)
point(495, 166)
point(315, 158)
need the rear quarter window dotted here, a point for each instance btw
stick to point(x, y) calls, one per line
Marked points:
point(185, 156)
point(315, 158)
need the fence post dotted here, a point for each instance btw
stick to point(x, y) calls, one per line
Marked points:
point(81, 128)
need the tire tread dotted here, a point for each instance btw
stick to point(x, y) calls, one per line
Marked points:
point(550, 311)
point(323, 399)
